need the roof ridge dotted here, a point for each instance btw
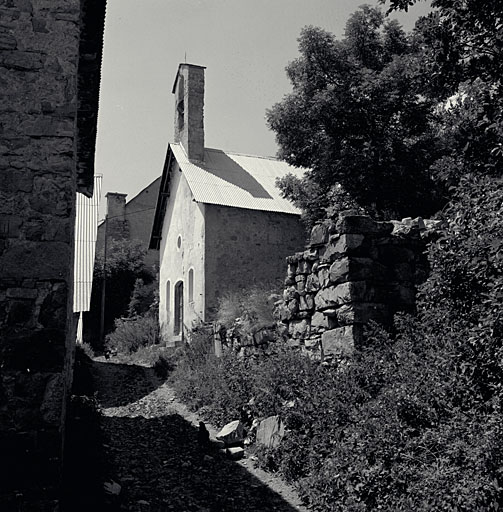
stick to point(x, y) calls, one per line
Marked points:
point(227, 152)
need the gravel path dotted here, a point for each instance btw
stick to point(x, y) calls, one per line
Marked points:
point(152, 451)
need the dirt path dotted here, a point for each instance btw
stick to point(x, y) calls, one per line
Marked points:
point(152, 450)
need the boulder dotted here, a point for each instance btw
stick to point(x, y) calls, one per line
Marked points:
point(232, 433)
point(235, 453)
point(270, 432)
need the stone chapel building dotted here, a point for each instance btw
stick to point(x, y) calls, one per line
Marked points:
point(220, 223)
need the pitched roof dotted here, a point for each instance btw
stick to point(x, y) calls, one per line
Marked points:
point(89, 77)
point(227, 179)
point(240, 181)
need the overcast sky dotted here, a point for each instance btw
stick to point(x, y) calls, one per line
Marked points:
point(245, 46)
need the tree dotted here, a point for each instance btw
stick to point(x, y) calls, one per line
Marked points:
point(358, 121)
point(461, 44)
point(124, 266)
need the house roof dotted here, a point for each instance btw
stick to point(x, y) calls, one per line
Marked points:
point(240, 181)
point(89, 79)
point(227, 179)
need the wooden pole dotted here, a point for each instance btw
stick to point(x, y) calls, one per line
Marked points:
point(103, 286)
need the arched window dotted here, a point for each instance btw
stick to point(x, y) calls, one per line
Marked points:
point(168, 297)
point(191, 285)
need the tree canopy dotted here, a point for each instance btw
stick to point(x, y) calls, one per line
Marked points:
point(388, 121)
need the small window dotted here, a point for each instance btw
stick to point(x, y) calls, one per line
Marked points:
point(168, 296)
point(191, 285)
point(179, 242)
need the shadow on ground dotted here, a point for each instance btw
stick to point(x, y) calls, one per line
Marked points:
point(157, 461)
point(121, 384)
point(161, 467)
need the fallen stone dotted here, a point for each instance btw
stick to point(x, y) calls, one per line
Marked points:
point(235, 453)
point(232, 433)
point(270, 432)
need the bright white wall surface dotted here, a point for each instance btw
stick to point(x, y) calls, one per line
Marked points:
point(184, 219)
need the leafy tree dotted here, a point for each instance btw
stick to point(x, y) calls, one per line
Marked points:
point(358, 121)
point(461, 47)
point(472, 34)
point(124, 266)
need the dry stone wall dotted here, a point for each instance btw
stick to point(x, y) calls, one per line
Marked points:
point(354, 270)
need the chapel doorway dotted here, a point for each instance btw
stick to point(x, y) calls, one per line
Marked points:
point(178, 308)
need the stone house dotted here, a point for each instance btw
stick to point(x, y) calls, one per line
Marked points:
point(50, 65)
point(131, 220)
point(220, 223)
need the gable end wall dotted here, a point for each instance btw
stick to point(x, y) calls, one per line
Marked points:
point(184, 217)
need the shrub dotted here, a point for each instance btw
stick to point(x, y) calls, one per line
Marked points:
point(414, 420)
point(248, 310)
point(132, 333)
point(86, 349)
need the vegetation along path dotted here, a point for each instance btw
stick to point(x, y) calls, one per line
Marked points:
point(152, 451)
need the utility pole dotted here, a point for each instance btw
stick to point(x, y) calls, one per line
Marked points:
point(103, 285)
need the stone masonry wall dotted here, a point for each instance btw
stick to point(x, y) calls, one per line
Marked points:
point(39, 53)
point(244, 248)
point(354, 270)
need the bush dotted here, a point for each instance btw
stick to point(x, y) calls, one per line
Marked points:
point(414, 420)
point(86, 349)
point(132, 333)
point(251, 307)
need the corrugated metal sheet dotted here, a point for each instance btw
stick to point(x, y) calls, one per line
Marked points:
point(241, 181)
point(86, 229)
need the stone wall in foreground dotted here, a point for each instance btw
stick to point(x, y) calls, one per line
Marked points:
point(39, 54)
point(354, 270)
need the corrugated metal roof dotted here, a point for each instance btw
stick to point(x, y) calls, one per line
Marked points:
point(86, 228)
point(241, 181)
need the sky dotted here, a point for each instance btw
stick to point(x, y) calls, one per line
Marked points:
point(245, 46)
